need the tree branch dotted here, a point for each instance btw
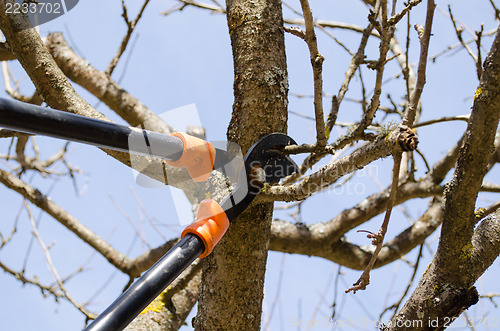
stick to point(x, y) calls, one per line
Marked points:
point(52, 268)
point(326, 239)
point(317, 65)
point(454, 270)
point(102, 86)
point(130, 29)
point(378, 238)
point(381, 147)
point(422, 65)
point(114, 257)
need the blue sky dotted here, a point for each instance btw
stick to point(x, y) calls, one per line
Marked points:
point(185, 58)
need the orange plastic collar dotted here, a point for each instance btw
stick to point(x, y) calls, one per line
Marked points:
point(211, 224)
point(197, 157)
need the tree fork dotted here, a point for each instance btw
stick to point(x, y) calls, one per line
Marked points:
point(233, 275)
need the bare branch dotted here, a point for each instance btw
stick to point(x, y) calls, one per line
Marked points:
point(422, 64)
point(396, 305)
point(490, 187)
point(326, 239)
point(118, 260)
point(464, 252)
point(396, 18)
point(479, 62)
point(378, 238)
point(381, 147)
point(476, 59)
point(213, 8)
point(497, 11)
point(53, 270)
point(25, 280)
point(130, 29)
point(102, 86)
point(464, 118)
point(296, 32)
point(317, 65)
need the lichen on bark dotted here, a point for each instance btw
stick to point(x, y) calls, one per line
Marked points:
point(233, 275)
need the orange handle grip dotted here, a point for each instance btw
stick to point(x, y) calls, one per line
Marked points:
point(198, 157)
point(210, 225)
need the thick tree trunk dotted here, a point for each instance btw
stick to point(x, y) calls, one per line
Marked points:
point(233, 275)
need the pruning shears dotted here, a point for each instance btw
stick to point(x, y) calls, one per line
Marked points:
point(263, 163)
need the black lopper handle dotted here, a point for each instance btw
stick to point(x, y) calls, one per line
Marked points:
point(24, 117)
point(138, 296)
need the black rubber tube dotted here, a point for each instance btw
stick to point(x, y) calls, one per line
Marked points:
point(27, 118)
point(138, 296)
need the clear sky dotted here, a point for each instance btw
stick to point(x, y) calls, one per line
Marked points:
point(185, 58)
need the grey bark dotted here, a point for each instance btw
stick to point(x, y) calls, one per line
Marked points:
point(233, 275)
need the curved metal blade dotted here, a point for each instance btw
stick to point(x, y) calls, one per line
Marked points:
point(264, 163)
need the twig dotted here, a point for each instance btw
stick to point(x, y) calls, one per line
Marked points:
point(396, 18)
point(35, 99)
point(479, 62)
point(50, 264)
point(396, 306)
point(386, 33)
point(378, 238)
point(490, 295)
point(407, 68)
point(214, 8)
point(341, 44)
point(497, 11)
point(296, 31)
point(356, 61)
point(489, 187)
point(458, 31)
point(422, 65)
point(317, 65)
point(464, 118)
point(117, 259)
point(470, 324)
point(336, 287)
point(454, 46)
point(102, 86)
point(427, 166)
point(278, 292)
point(481, 213)
point(130, 29)
point(130, 221)
point(21, 277)
point(144, 211)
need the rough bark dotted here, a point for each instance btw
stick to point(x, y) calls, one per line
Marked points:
point(233, 275)
point(464, 253)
